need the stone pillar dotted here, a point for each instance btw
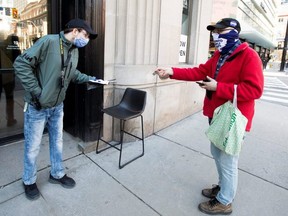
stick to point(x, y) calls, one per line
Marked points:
point(137, 30)
point(140, 36)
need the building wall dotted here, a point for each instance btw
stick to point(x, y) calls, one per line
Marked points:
point(280, 33)
point(141, 36)
point(224, 9)
point(257, 18)
point(20, 4)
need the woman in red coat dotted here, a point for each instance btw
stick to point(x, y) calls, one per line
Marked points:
point(233, 63)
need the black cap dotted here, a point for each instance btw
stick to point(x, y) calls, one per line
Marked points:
point(224, 23)
point(79, 23)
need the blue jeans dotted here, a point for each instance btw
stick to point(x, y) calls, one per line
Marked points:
point(34, 124)
point(227, 167)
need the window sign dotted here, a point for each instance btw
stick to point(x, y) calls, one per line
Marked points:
point(183, 48)
point(184, 32)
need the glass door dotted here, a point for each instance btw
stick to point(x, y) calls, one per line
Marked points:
point(22, 24)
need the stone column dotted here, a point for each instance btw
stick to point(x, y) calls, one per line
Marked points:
point(137, 30)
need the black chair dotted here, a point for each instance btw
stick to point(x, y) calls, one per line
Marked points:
point(131, 106)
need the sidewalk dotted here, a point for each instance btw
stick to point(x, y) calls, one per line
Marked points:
point(166, 181)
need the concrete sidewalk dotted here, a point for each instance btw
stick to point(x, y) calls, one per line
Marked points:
point(166, 181)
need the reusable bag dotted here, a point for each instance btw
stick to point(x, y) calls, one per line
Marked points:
point(227, 127)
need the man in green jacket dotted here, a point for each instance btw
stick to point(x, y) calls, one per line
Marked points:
point(45, 71)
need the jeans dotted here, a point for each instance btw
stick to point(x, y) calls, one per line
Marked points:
point(34, 124)
point(227, 167)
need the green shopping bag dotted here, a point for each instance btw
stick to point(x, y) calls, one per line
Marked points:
point(227, 127)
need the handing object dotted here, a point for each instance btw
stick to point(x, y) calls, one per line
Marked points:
point(103, 82)
point(92, 84)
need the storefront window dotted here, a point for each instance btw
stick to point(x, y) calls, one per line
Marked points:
point(21, 25)
point(184, 31)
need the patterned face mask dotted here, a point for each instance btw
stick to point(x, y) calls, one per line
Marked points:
point(224, 42)
point(219, 42)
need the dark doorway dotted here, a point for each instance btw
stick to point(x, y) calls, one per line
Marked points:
point(82, 107)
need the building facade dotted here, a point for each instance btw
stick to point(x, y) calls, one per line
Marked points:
point(35, 19)
point(138, 37)
point(258, 22)
point(281, 33)
point(135, 37)
point(143, 41)
point(144, 35)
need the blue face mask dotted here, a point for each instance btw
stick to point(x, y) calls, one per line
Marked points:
point(80, 42)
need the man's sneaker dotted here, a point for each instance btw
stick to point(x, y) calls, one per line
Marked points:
point(65, 181)
point(214, 207)
point(211, 192)
point(31, 191)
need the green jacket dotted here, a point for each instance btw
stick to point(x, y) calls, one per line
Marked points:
point(39, 69)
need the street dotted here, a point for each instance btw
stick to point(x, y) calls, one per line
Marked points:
point(275, 87)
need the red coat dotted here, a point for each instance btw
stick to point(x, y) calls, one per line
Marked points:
point(243, 68)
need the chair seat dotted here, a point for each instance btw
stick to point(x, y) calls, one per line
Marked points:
point(121, 112)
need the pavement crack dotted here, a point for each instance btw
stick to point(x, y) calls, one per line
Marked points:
point(249, 173)
point(183, 146)
point(125, 187)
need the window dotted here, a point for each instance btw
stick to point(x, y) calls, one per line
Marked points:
point(184, 32)
point(16, 35)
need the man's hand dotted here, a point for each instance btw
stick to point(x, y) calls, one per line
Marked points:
point(163, 73)
point(210, 84)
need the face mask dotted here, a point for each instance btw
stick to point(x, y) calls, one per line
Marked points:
point(224, 42)
point(81, 42)
point(219, 42)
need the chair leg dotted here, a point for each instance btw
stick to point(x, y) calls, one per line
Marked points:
point(99, 134)
point(122, 131)
point(142, 126)
point(122, 126)
point(108, 144)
